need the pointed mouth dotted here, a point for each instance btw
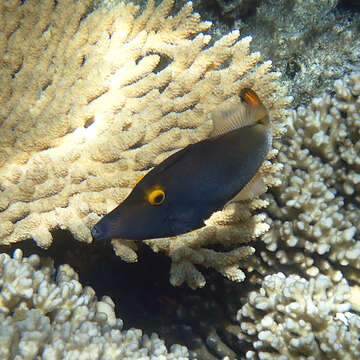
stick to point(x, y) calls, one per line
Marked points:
point(111, 226)
point(98, 233)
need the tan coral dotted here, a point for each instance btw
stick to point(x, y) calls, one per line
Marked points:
point(293, 318)
point(92, 99)
point(46, 313)
point(316, 209)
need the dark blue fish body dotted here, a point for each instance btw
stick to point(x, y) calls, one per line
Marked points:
point(201, 178)
point(180, 193)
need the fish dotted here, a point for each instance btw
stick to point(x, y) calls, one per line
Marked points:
point(185, 189)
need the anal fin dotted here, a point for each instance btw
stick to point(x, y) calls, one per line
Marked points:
point(253, 188)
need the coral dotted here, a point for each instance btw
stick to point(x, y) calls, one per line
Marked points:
point(314, 232)
point(292, 318)
point(54, 317)
point(315, 216)
point(312, 43)
point(92, 99)
point(235, 8)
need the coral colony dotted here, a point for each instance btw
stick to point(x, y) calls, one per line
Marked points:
point(94, 96)
point(104, 112)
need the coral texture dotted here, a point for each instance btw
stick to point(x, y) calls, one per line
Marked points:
point(92, 99)
point(312, 43)
point(48, 316)
point(292, 318)
point(316, 211)
point(234, 8)
point(314, 232)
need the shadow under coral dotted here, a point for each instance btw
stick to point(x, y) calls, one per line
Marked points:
point(145, 299)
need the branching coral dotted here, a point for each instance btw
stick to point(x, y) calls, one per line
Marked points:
point(292, 318)
point(48, 317)
point(315, 212)
point(314, 232)
point(91, 100)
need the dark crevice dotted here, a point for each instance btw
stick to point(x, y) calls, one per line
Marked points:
point(141, 291)
point(353, 5)
point(18, 69)
point(46, 85)
point(83, 60)
point(46, 29)
point(89, 121)
point(163, 63)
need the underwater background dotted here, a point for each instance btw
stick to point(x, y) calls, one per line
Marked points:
point(296, 295)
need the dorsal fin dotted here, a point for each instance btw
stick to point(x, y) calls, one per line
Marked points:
point(251, 99)
point(231, 118)
point(237, 116)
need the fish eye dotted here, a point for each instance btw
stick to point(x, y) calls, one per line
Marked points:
point(156, 197)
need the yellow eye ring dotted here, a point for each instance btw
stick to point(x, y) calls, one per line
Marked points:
point(156, 197)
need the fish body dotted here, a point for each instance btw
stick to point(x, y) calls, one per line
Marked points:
point(180, 193)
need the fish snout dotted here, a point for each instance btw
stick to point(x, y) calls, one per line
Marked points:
point(98, 232)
